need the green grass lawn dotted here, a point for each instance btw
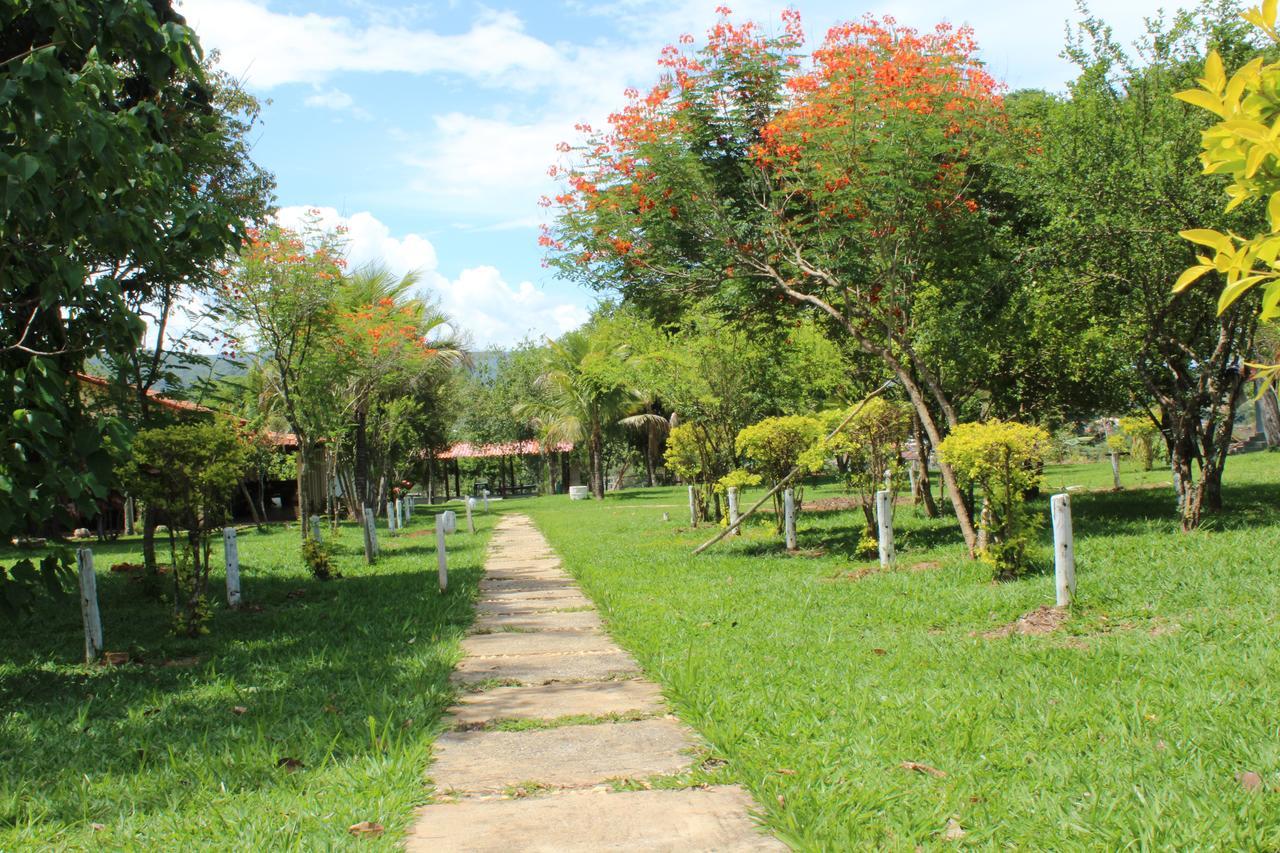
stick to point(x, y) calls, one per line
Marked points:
point(816, 681)
point(190, 747)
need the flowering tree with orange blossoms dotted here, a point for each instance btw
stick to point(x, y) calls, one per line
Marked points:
point(845, 186)
point(282, 295)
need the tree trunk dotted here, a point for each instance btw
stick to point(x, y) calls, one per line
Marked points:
point(650, 455)
point(1269, 409)
point(923, 485)
point(149, 565)
point(253, 508)
point(304, 493)
point(360, 454)
point(597, 463)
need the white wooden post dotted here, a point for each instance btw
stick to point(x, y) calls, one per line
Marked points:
point(315, 529)
point(450, 521)
point(471, 505)
point(884, 523)
point(984, 526)
point(231, 557)
point(89, 606)
point(911, 478)
point(402, 512)
point(733, 509)
point(442, 560)
point(371, 528)
point(129, 513)
point(1064, 553)
point(789, 517)
point(1115, 469)
point(391, 517)
point(486, 501)
point(693, 508)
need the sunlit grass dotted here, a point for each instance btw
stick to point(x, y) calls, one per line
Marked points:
point(197, 743)
point(1126, 728)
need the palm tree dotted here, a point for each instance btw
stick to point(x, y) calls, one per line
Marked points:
point(374, 301)
point(586, 387)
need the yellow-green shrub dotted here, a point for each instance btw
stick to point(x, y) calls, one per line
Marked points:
point(1003, 460)
point(1141, 433)
point(774, 446)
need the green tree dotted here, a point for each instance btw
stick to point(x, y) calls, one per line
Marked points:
point(104, 108)
point(869, 448)
point(188, 472)
point(1114, 185)
point(584, 391)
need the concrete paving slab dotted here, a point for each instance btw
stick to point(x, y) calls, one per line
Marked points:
point(572, 597)
point(524, 605)
point(543, 669)
point(576, 620)
point(552, 701)
point(565, 757)
point(713, 818)
point(508, 643)
point(488, 585)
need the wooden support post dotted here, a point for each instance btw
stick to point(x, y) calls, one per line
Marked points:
point(789, 517)
point(733, 510)
point(693, 507)
point(1064, 553)
point(1115, 469)
point(89, 606)
point(471, 506)
point(231, 557)
point(129, 513)
point(884, 523)
point(984, 526)
point(391, 517)
point(315, 529)
point(371, 532)
point(486, 501)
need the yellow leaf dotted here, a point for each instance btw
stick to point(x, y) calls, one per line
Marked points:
point(1254, 131)
point(1204, 100)
point(1236, 289)
point(1215, 77)
point(1190, 277)
point(1271, 302)
point(1238, 81)
point(1273, 211)
point(1268, 11)
point(1254, 159)
point(1208, 237)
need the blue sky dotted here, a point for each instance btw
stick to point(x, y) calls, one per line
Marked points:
point(428, 127)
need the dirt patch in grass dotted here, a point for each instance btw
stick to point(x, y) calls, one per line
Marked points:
point(875, 569)
point(1043, 620)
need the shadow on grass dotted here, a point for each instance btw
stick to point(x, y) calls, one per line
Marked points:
point(300, 670)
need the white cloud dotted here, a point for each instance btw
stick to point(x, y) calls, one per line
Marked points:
point(479, 301)
point(270, 49)
point(336, 100)
point(495, 312)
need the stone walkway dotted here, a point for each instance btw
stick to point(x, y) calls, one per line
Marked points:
point(541, 651)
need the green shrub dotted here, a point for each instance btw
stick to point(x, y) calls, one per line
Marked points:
point(869, 447)
point(316, 556)
point(188, 472)
point(1004, 460)
point(774, 446)
point(1142, 433)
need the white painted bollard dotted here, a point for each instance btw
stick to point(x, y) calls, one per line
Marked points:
point(442, 528)
point(315, 529)
point(471, 506)
point(231, 557)
point(486, 501)
point(129, 513)
point(411, 506)
point(371, 530)
point(789, 517)
point(693, 508)
point(579, 493)
point(1064, 553)
point(884, 524)
point(1115, 469)
point(89, 606)
point(733, 509)
point(911, 478)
